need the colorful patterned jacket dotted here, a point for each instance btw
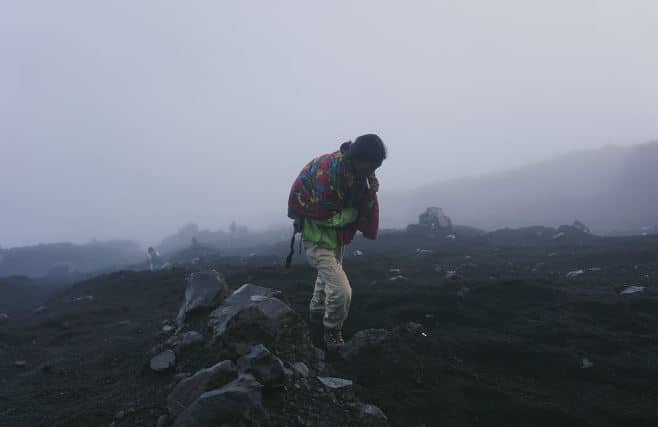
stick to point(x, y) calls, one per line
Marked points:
point(326, 186)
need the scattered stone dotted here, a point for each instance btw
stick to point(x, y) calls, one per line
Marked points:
point(632, 289)
point(40, 309)
point(586, 363)
point(335, 383)
point(594, 269)
point(84, 298)
point(20, 364)
point(398, 278)
point(167, 329)
point(357, 253)
point(204, 291)
point(423, 252)
point(574, 274)
point(451, 237)
point(301, 369)
point(263, 365)
point(163, 420)
point(189, 389)
point(4, 317)
point(453, 275)
point(236, 403)
point(395, 271)
point(559, 235)
point(119, 415)
point(163, 361)
point(372, 415)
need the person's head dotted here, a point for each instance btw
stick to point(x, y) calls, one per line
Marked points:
point(367, 153)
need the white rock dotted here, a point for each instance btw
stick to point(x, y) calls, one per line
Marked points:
point(574, 274)
point(335, 383)
point(632, 289)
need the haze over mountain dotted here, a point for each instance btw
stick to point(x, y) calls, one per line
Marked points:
point(612, 189)
point(126, 120)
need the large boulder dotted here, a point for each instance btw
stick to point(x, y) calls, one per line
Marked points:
point(250, 316)
point(204, 291)
point(238, 403)
point(263, 365)
point(190, 389)
point(434, 218)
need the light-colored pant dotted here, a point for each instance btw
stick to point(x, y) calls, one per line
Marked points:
point(332, 294)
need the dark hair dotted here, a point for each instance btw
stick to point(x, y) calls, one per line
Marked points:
point(366, 148)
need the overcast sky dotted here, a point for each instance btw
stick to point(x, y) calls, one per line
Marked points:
point(126, 119)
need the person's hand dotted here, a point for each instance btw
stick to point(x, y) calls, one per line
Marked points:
point(373, 182)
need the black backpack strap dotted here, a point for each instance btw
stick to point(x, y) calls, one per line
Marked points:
point(297, 228)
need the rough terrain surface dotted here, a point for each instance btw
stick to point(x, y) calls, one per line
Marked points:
point(484, 330)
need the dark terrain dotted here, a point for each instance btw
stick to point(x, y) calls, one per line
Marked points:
point(507, 337)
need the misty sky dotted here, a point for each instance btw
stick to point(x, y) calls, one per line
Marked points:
point(126, 119)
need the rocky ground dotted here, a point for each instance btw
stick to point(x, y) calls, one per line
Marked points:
point(511, 328)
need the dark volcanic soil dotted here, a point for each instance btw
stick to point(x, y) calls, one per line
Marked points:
point(505, 344)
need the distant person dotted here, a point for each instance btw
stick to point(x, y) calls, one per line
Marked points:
point(334, 196)
point(153, 258)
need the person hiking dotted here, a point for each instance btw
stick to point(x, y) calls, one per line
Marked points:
point(153, 259)
point(334, 196)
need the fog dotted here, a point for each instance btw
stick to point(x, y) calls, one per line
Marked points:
point(127, 119)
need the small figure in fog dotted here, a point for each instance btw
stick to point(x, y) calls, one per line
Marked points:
point(153, 258)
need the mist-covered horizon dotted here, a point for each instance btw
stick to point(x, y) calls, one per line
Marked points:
point(126, 121)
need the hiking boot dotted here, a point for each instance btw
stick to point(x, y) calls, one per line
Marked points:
point(315, 317)
point(333, 338)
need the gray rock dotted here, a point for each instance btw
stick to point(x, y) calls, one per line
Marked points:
point(20, 364)
point(163, 420)
point(163, 361)
point(253, 316)
point(371, 415)
point(182, 376)
point(236, 403)
point(263, 365)
point(40, 309)
point(301, 369)
point(3, 317)
point(189, 389)
point(204, 290)
point(181, 342)
point(239, 300)
point(335, 383)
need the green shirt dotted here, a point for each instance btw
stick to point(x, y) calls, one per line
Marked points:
point(323, 233)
